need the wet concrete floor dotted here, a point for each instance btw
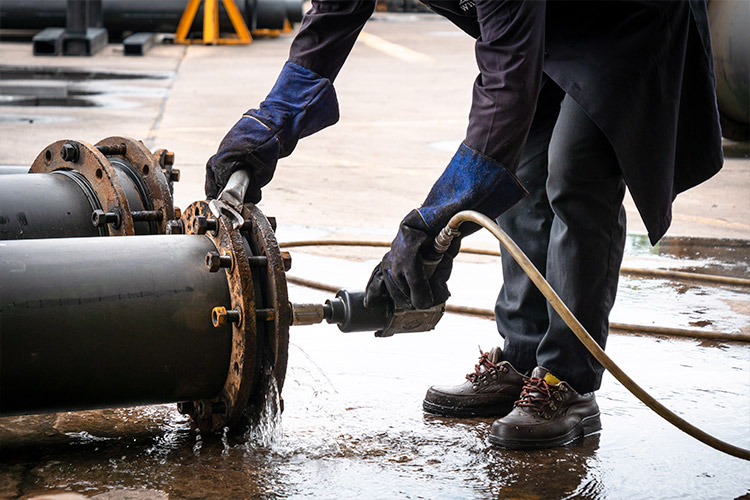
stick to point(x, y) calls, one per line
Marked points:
point(353, 425)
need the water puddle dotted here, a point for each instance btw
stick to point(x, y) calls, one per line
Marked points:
point(26, 86)
point(352, 425)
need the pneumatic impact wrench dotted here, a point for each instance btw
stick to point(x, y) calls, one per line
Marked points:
point(348, 311)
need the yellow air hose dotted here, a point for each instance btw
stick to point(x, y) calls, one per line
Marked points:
point(590, 344)
point(567, 316)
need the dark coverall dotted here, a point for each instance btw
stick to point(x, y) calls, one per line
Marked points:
point(578, 99)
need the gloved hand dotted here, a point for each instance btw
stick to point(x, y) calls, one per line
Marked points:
point(401, 274)
point(472, 181)
point(300, 103)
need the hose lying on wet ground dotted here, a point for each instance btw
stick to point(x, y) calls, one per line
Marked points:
point(490, 314)
point(580, 332)
point(559, 306)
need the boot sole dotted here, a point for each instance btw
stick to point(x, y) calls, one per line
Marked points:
point(587, 426)
point(497, 411)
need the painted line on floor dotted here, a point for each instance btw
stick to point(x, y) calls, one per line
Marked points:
point(393, 49)
point(711, 221)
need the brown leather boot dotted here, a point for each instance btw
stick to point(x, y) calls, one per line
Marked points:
point(549, 413)
point(488, 392)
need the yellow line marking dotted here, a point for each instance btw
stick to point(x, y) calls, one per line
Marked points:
point(392, 49)
point(710, 221)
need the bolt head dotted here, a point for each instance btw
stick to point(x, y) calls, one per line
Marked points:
point(174, 175)
point(175, 227)
point(213, 261)
point(286, 257)
point(70, 152)
point(169, 158)
point(98, 218)
point(200, 224)
point(219, 316)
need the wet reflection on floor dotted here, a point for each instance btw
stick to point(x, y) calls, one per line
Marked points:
point(353, 425)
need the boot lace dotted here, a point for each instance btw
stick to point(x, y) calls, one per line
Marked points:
point(484, 362)
point(540, 396)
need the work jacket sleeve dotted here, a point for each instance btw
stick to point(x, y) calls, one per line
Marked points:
point(328, 33)
point(510, 56)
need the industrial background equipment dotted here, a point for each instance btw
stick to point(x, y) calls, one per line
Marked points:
point(73, 189)
point(162, 16)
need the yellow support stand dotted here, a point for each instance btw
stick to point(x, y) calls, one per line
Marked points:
point(211, 35)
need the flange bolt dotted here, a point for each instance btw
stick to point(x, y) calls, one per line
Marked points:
point(70, 152)
point(186, 407)
point(286, 257)
point(214, 261)
point(218, 408)
point(220, 316)
point(175, 227)
point(202, 224)
point(100, 218)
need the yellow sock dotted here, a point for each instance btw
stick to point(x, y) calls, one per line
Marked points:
point(551, 379)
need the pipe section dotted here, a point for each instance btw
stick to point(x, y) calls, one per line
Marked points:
point(200, 318)
point(74, 189)
point(124, 321)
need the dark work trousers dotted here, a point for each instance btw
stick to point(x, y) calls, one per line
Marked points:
point(572, 227)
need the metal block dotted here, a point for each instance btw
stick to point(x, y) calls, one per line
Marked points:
point(85, 44)
point(48, 42)
point(138, 44)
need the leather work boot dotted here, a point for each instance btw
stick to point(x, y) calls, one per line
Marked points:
point(488, 392)
point(549, 413)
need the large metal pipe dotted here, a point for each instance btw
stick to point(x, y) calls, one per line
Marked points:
point(117, 187)
point(146, 15)
point(126, 321)
point(200, 318)
point(45, 206)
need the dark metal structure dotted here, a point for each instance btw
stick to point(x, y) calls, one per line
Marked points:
point(74, 189)
point(121, 16)
point(83, 34)
point(199, 318)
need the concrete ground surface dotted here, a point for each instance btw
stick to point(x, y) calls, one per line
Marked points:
point(353, 425)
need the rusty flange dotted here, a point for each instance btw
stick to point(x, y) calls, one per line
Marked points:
point(105, 180)
point(150, 171)
point(260, 314)
point(227, 408)
point(273, 287)
point(165, 159)
point(98, 172)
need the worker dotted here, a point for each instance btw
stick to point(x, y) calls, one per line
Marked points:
point(574, 101)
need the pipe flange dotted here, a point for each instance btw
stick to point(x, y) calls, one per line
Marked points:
point(98, 172)
point(228, 408)
point(259, 232)
point(165, 159)
point(149, 169)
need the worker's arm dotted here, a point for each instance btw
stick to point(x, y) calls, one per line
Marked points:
point(301, 102)
point(509, 51)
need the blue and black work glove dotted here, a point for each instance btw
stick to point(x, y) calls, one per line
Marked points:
point(300, 104)
point(472, 181)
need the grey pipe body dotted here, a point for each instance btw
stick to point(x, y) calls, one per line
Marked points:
point(124, 321)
